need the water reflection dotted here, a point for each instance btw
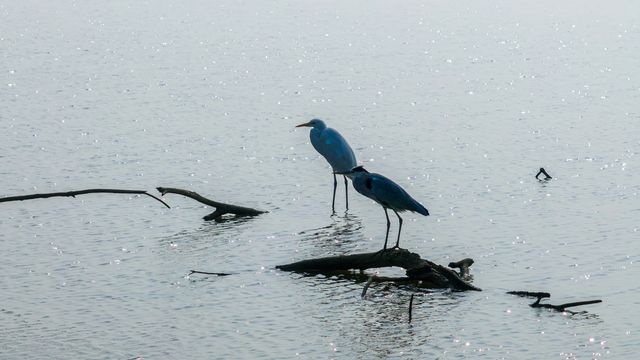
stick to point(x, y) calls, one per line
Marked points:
point(383, 321)
point(343, 234)
point(206, 238)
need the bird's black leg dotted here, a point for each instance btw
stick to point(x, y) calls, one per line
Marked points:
point(399, 229)
point(388, 226)
point(346, 191)
point(335, 185)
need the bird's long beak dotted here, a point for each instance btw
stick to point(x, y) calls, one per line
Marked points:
point(305, 124)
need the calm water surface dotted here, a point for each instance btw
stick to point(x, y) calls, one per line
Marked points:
point(459, 102)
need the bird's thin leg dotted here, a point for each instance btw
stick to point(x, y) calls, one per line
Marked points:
point(346, 191)
point(399, 229)
point(388, 226)
point(335, 185)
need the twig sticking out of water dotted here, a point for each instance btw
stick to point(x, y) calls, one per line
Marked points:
point(79, 192)
point(366, 286)
point(410, 307)
point(546, 176)
point(207, 273)
point(221, 208)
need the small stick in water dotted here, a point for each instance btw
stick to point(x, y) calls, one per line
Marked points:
point(546, 176)
point(410, 307)
point(207, 273)
point(366, 286)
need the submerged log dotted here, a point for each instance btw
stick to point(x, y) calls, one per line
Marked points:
point(221, 208)
point(435, 275)
point(79, 192)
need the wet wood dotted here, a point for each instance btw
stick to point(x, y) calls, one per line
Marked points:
point(543, 172)
point(207, 273)
point(463, 265)
point(436, 276)
point(410, 307)
point(79, 192)
point(543, 295)
point(221, 208)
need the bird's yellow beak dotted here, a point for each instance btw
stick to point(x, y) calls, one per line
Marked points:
point(305, 124)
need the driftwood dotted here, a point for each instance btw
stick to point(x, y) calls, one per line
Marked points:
point(221, 208)
point(542, 295)
point(463, 265)
point(543, 172)
point(417, 269)
point(410, 307)
point(207, 273)
point(79, 192)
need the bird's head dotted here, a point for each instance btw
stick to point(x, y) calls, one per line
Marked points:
point(315, 123)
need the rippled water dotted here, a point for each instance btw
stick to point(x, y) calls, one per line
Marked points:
point(460, 102)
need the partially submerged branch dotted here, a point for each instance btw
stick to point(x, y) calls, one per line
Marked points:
point(435, 275)
point(543, 172)
point(79, 192)
point(542, 295)
point(410, 307)
point(207, 273)
point(221, 208)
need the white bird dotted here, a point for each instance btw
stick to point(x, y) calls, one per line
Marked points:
point(386, 193)
point(335, 149)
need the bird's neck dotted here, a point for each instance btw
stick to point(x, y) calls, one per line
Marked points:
point(319, 127)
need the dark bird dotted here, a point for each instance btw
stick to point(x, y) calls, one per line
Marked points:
point(386, 193)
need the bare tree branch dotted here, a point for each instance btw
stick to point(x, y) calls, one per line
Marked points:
point(79, 192)
point(207, 273)
point(542, 295)
point(221, 208)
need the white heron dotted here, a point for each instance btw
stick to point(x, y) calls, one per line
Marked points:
point(386, 193)
point(336, 150)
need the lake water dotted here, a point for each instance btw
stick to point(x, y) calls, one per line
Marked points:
point(459, 102)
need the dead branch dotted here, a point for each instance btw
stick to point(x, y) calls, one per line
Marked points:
point(79, 192)
point(221, 208)
point(542, 295)
point(436, 276)
point(191, 272)
point(543, 172)
point(463, 265)
point(410, 307)
point(366, 286)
